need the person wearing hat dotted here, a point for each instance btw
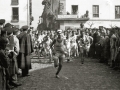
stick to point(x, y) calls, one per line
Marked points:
point(59, 51)
point(24, 61)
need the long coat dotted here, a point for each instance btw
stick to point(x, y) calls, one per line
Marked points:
point(26, 49)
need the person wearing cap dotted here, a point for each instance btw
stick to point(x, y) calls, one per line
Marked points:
point(13, 69)
point(24, 61)
point(59, 51)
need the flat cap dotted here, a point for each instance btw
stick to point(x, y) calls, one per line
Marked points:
point(2, 21)
point(7, 25)
point(9, 30)
point(25, 27)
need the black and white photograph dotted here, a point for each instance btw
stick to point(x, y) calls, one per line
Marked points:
point(59, 44)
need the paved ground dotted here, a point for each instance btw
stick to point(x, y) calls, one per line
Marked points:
point(74, 76)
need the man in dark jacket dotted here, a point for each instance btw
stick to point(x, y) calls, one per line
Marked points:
point(24, 61)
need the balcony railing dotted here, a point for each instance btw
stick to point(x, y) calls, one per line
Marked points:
point(15, 18)
point(67, 16)
point(72, 17)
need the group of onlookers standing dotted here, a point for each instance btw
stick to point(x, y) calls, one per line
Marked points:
point(106, 46)
point(15, 50)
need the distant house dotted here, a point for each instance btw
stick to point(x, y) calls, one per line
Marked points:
point(91, 13)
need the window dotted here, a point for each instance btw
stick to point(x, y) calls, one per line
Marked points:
point(15, 14)
point(117, 12)
point(74, 9)
point(14, 2)
point(95, 10)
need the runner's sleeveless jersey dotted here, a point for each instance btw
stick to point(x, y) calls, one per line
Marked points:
point(59, 46)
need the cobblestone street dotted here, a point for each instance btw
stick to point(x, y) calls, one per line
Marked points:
point(74, 76)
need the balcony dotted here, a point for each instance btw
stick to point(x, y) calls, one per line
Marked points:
point(67, 16)
point(15, 19)
point(71, 17)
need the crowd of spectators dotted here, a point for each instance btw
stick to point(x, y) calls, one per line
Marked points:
point(15, 50)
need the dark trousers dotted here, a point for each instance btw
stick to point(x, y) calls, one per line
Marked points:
point(25, 72)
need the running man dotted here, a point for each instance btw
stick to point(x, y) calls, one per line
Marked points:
point(58, 51)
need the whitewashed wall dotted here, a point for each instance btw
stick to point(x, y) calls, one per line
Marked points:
point(106, 7)
point(6, 11)
point(106, 13)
